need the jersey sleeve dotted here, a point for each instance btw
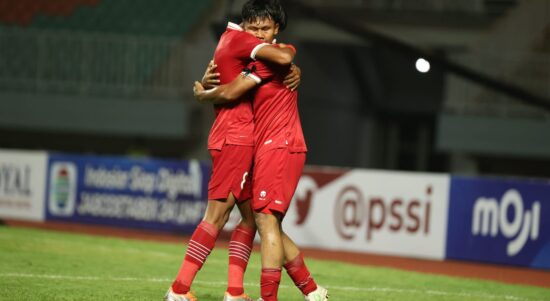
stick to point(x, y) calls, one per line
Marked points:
point(259, 71)
point(246, 45)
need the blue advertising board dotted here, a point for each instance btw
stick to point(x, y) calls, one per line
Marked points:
point(117, 191)
point(499, 221)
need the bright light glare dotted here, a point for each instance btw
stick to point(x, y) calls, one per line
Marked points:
point(422, 65)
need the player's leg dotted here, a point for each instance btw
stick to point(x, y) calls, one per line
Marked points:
point(294, 260)
point(240, 247)
point(276, 175)
point(299, 273)
point(224, 187)
point(266, 202)
point(272, 253)
point(202, 242)
point(240, 244)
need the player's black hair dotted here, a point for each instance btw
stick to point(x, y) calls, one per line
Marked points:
point(272, 9)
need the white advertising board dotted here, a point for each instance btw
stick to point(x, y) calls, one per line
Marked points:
point(388, 213)
point(22, 184)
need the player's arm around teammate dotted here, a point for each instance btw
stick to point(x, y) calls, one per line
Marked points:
point(209, 90)
point(211, 78)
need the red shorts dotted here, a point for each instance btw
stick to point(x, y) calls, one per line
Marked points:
point(231, 172)
point(276, 175)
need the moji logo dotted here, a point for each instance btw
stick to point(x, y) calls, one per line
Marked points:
point(491, 217)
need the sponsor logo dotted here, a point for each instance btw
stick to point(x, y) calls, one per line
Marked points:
point(306, 191)
point(15, 180)
point(62, 196)
point(169, 181)
point(278, 202)
point(303, 197)
point(489, 217)
point(353, 211)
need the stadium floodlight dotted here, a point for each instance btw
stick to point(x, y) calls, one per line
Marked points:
point(422, 65)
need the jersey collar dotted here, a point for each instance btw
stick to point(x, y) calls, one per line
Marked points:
point(231, 25)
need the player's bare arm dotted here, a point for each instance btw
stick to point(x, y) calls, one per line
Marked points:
point(282, 54)
point(211, 78)
point(225, 93)
point(265, 29)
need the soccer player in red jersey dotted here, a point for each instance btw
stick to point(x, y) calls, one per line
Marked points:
point(231, 145)
point(279, 157)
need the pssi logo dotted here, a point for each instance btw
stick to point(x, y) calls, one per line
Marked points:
point(379, 213)
point(489, 217)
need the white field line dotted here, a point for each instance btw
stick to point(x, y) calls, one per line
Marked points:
point(222, 283)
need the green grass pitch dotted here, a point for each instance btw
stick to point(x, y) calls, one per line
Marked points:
point(46, 265)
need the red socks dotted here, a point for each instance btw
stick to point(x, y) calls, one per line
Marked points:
point(240, 247)
point(298, 272)
point(201, 244)
point(269, 283)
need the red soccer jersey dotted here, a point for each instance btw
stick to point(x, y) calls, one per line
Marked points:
point(276, 116)
point(234, 122)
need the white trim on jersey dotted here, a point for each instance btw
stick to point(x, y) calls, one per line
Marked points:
point(234, 26)
point(256, 49)
point(254, 77)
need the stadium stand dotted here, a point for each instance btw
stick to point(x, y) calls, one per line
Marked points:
point(172, 17)
point(488, 122)
point(70, 46)
point(23, 12)
point(101, 55)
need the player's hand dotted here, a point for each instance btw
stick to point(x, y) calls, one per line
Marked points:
point(211, 78)
point(293, 78)
point(198, 91)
